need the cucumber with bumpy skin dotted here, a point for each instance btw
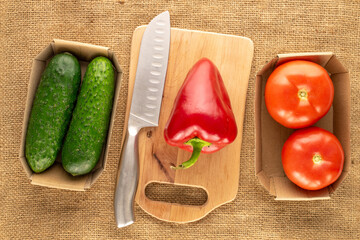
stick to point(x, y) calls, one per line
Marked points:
point(51, 112)
point(90, 122)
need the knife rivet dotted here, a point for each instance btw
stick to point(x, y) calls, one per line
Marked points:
point(149, 134)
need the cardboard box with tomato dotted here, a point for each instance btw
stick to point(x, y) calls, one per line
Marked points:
point(271, 136)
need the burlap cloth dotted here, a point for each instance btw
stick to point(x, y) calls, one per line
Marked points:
point(32, 212)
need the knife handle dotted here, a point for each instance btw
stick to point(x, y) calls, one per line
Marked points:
point(128, 178)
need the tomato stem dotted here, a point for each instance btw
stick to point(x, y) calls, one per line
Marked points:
point(317, 158)
point(303, 94)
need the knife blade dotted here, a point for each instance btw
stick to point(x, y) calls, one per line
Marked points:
point(144, 111)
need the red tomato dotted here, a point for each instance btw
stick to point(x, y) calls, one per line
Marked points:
point(312, 158)
point(298, 93)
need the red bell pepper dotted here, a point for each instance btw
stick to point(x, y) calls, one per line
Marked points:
point(201, 119)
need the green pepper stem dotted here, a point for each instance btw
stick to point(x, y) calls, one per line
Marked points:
point(197, 145)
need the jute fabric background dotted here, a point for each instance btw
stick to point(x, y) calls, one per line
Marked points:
point(33, 212)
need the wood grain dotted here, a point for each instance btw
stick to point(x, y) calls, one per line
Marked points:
point(216, 173)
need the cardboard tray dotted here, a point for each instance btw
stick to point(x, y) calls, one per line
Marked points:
point(271, 136)
point(55, 176)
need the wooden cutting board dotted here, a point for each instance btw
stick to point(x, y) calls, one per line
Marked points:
point(216, 173)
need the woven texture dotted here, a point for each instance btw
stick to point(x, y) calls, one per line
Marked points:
point(33, 212)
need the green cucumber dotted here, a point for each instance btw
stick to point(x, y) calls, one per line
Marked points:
point(90, 122)
point(51, 111)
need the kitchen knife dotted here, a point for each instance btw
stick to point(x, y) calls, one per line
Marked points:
point(144, 111)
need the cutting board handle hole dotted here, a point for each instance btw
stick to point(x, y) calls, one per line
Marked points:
point(178, 194)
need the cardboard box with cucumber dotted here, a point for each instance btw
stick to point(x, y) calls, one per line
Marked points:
point(62, 153)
